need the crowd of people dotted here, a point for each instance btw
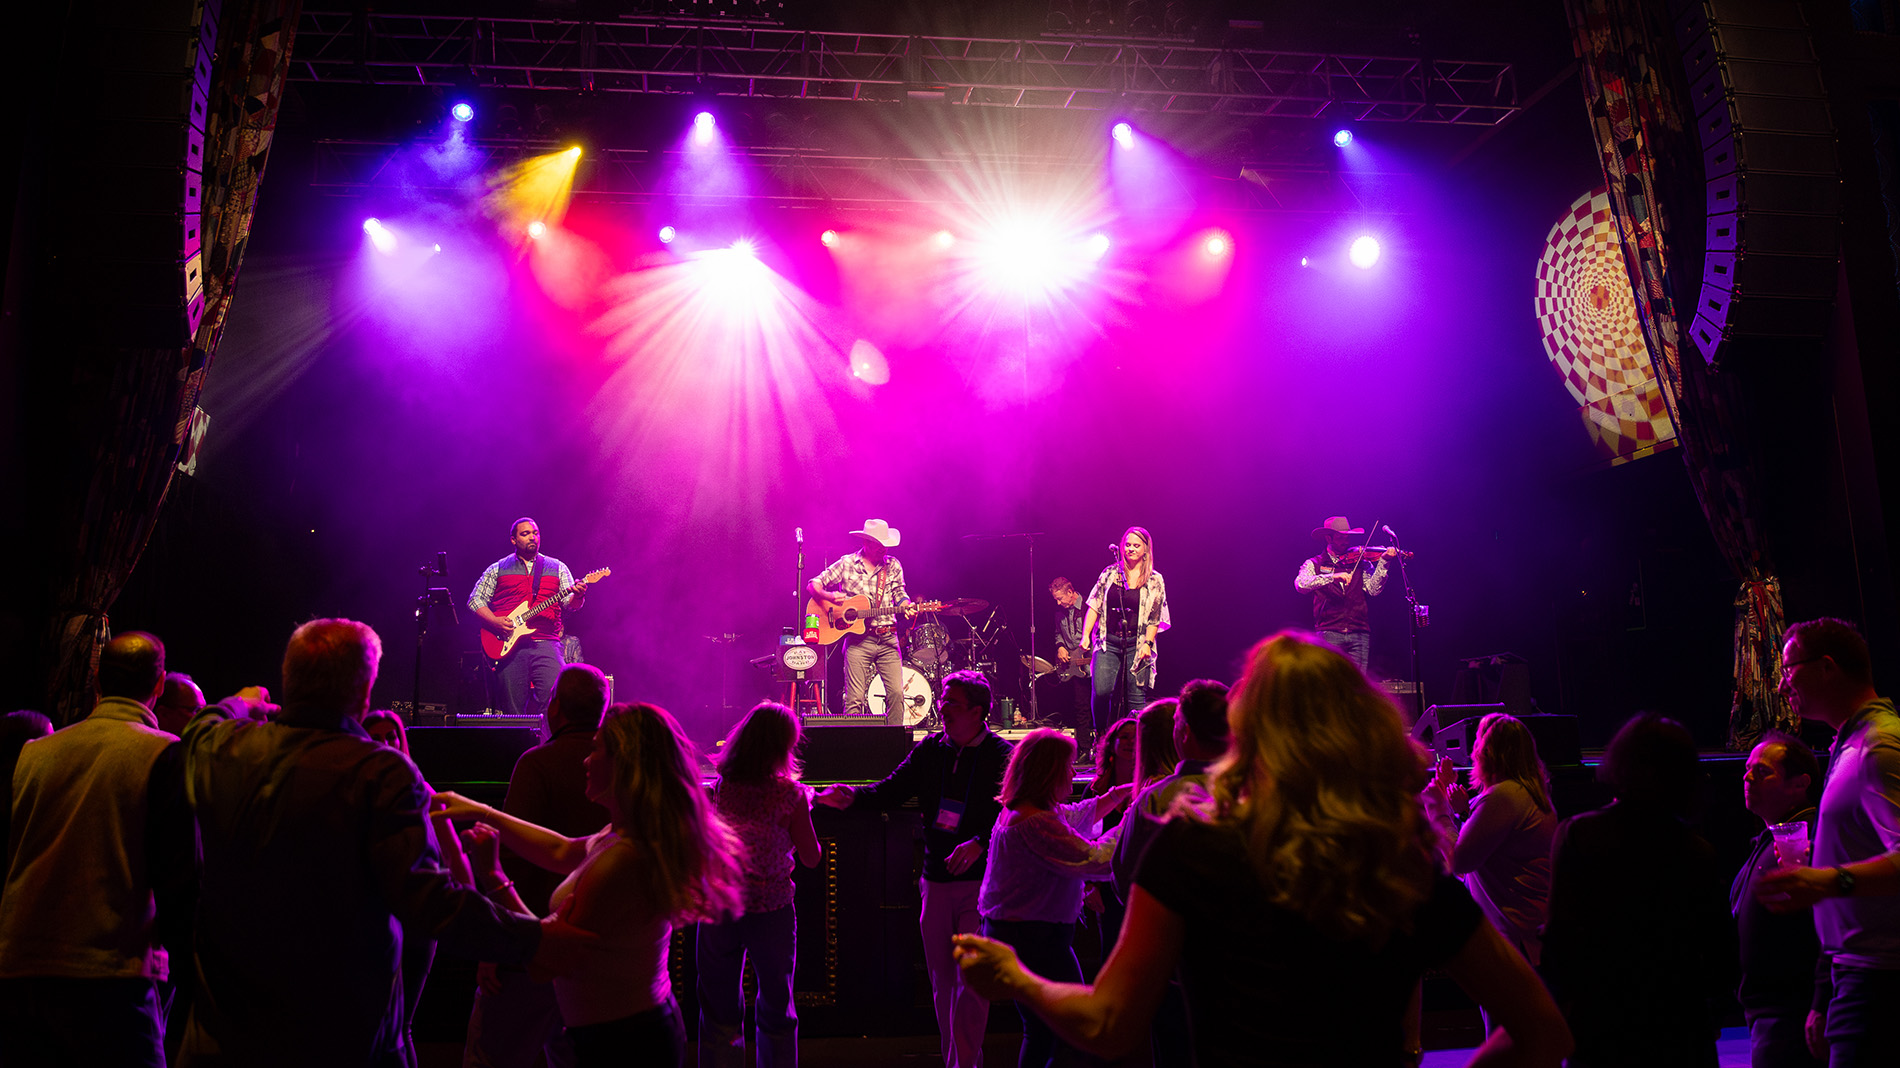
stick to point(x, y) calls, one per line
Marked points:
point(1272, 869)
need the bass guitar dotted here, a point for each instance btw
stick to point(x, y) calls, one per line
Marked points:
point(498, 647)
point(837, 620)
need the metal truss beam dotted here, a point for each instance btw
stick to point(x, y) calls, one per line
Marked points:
point(1080, 73)
point(802, 178)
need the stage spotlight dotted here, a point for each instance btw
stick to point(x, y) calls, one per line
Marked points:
point(1217, 244)
point(380, 236)
point(667, 234)
point(943, 239)
point(703, 128)
point(463, 111)
point(1124, 135)
point(1364, 252)
point(1342, 138)
point(829, 238)
point(1302, 261)
point(438, 248)
point(537, 228)
point(1096, 246)
point(745, 247)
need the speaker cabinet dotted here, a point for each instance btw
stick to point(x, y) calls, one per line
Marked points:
point(1772, 182)
point(852, 753)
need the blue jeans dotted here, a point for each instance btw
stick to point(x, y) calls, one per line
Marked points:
point(1356, 644)
point(868, 654)
point(1863, 1019)
point(770, 939)
point(528, 676)
point(1118, 691)
point(1044, 948)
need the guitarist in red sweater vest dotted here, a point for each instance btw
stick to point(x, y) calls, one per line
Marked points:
point(531, 664)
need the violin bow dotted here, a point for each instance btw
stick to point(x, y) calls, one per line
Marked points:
point(1370, 531)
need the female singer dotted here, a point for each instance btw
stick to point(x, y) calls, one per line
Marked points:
point(1130, 601)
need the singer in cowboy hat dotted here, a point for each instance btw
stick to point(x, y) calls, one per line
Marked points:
point(1340, 589)
point(871, 572)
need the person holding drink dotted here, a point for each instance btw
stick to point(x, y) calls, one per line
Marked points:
point(1781, 784)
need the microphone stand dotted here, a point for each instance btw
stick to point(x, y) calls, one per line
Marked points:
point(438, 595)
point(1421, 617)
point(1035, 712)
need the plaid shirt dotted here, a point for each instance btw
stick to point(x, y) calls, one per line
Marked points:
point(857, 576)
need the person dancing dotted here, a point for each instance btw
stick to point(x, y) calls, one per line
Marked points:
point(760, 796)
point(1302, 903)
point(1130, 601)
point(666, 858)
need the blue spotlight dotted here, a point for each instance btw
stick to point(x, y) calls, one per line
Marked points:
point(1124, 134)
point(1342, 138)
point(463, 111)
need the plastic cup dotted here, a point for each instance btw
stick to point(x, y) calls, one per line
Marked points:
point(1791, 843)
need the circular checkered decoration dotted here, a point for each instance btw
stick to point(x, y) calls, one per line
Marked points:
point(1585, 311)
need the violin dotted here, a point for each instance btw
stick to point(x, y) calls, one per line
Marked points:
point(1371, 554)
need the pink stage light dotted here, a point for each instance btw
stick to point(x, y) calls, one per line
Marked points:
point(1124, 135)
point(943, 239)
point(829, 238)
point(1364, 252)
point(380, 236)
point(537, 228)
point(1217, 244)
point(705, 127)
point(745, 247)
point(667, 234)
point(1096, 246)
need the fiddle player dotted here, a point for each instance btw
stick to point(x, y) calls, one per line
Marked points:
point(1340, 579)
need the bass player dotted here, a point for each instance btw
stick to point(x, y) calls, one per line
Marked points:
point(874, 573)
point(529, 672)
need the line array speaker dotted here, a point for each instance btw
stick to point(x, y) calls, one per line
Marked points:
point(1772, 179)
point(137, 213)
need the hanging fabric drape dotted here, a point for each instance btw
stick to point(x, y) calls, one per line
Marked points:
point(1639, 112)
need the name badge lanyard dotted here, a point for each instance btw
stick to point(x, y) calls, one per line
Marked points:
point(950, 813)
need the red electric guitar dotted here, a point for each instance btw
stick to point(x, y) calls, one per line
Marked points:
point(497, 646)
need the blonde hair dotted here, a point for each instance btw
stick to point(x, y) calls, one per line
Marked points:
point(1506, 752)
point(1147, 562)
point(691, 856)
point(1323, 782)
point(1038, 772)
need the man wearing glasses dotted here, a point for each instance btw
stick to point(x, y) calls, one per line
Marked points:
point(1854, 886)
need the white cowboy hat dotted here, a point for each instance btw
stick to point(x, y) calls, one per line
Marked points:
point(879, 531)
point(1336, 524)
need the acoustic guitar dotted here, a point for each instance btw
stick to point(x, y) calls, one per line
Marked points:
point(837, 620)
point(498, 647)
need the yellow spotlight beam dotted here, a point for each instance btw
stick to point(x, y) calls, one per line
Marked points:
point(533, 190)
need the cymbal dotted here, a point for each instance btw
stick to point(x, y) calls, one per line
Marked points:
point(1038, 665)
point(964, 606)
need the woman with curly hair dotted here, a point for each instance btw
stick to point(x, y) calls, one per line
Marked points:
point(665, 858)
point(1302, 905)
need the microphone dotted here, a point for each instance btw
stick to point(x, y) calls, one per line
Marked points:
point(1389, 530)
point(1114, 548)
point(799, 533)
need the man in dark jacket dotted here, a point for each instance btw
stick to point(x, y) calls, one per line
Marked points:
point(1780, 786)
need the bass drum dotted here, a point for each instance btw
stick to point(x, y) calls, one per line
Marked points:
point(929, 649)
point(916, 697)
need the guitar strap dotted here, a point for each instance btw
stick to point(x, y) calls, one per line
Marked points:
point(534, 581)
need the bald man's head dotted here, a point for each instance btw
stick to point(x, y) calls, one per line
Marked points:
point(132, 666)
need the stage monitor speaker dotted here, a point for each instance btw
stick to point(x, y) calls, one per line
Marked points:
point(853, 754)
point(1772, 231)
point(464, 755)
point(1558, 742)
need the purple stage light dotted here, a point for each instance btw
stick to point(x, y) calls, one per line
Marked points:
point(943, 239)
point(438, 247)
point(463, 111)
point(829, 238)
point(380, 236)
point(1217, 244)
point(1096, 246)
point(537, 228)
point(704, 126)
point(745, 247)
point(667, 234)
point(1342, 138)
point(1364, 252)
point(1124, 134)
point(868, 365)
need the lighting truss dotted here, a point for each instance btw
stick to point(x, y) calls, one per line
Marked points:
point(798, 177)
point(657, 55)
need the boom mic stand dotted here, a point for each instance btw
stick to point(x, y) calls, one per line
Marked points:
point(1030, 537)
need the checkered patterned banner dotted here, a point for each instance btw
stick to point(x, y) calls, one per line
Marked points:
point(1588, 320)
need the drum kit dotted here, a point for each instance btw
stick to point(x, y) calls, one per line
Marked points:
point(961, 635)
